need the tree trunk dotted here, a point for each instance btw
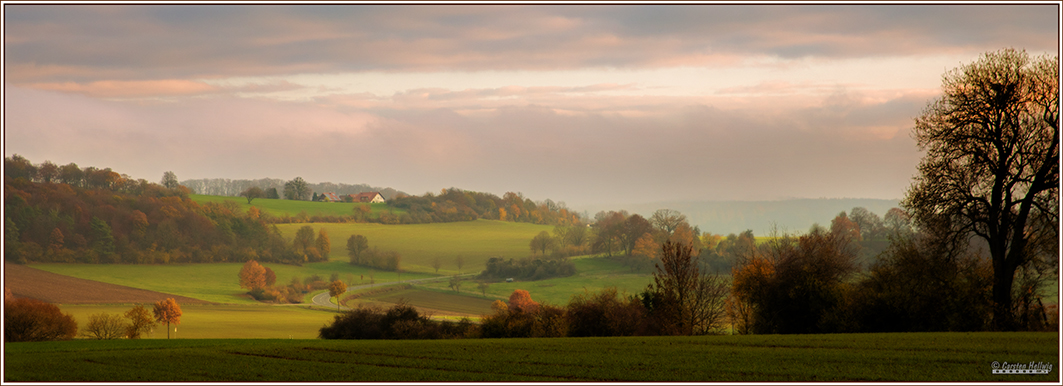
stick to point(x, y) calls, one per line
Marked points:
point(1003, 277)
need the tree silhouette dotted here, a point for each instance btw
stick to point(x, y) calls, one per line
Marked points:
point(991, 168)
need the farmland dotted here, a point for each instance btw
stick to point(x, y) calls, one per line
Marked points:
point(419, 244)
point(924, 357)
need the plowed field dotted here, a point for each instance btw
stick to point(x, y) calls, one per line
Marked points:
point(29, 282)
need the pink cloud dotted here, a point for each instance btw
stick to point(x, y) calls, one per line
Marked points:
point(131, 88)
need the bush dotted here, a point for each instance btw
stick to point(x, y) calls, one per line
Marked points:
point(399, 322)
point(31, 320)
point(605, 314)
point(917, 286)
point(527, 268)
point(104, 326)
point(795, 286)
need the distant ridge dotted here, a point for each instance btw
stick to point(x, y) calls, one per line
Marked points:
point(789, 216)
point(229, 187)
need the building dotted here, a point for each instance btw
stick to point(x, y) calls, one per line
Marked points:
point(371, 197)
point(331, 197)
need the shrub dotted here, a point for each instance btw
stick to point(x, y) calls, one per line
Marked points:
point(104, 326)
point(399, 322)
point(605, 314)
point(31, 320)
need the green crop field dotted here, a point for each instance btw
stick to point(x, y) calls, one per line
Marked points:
point(227, 321)
point(280, 208)
point(419, 244)
point(902, 357)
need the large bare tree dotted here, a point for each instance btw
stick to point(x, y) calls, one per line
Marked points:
point(991, 168)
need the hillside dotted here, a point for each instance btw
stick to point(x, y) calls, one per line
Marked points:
point(724, 217)
point(33, 283)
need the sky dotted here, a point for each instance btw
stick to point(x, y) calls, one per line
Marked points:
point(582, 104)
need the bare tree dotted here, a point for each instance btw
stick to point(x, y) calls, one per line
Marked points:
point(688, 301)
point(667, 220)
point(104, 326)
point(991, 168)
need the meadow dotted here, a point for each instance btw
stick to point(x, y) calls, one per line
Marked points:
point(420, 244)
point(225, 321)
point(899, 357)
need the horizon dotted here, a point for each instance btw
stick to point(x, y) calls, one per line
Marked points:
point(585, 104)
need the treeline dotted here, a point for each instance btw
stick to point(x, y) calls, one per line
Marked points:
point(105, 217)
point(636, 240)
point(233, 188)
point(529, 268)
point(462, 205)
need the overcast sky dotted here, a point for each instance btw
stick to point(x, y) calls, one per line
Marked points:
point(583, 104)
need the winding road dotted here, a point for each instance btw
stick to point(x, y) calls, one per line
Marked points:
point(322, 299)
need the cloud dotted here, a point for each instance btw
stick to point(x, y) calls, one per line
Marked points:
point(697, 152)
point(74, 43)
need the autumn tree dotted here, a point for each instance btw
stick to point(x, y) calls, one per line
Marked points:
point(169, 180)
point(31, 320)
point(483, 286)
point(542, 242)
point(167, 311)
point(335, 289)
point(455, 283)
point(323, 244)
point(991, 168)
point(252, 193)
point(685, 300)
point(253, 276)
point(104, 326)
point(520, 300)
point(139, 322)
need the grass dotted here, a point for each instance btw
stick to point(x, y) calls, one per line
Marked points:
point(904, 357)
point(432, 302)
point(592, 274)
point(214, 282)
point(280, 207)
point(226, 321)
point(420, 244)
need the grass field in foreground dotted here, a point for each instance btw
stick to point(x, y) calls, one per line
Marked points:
point(419, 244)
point(226, 321)
point(905, 357)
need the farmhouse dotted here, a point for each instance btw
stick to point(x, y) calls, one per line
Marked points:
point(373, 197)
point(331, 197)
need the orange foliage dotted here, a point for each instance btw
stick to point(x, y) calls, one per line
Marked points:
point(253, 276)
point(521, 300)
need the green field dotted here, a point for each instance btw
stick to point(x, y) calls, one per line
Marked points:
point(592, 274)
point(227, 321)
point(214, 282)
point(902, 357)
point(419, 244)
point(280, 208)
